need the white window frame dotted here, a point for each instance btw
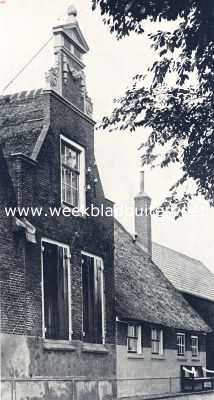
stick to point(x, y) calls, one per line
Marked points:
point(102, 294)
point(139, 338)
point(60, 244)
point(160, 341)
point(181, 344)
point(82, 178)
point(195, 337)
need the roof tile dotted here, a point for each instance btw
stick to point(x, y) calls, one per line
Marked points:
point(186, 274)
point(143, 292)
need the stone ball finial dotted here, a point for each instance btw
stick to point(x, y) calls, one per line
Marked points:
point(72, 11)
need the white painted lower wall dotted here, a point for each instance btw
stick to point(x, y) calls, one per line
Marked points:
point(148, 374)
point(187, 396)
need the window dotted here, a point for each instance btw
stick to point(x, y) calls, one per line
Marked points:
point(93, 298)
point(194, 346)
point(181, 345)
point(56, 290)
point(134, 339)
point(72, 174)
point(157, 341)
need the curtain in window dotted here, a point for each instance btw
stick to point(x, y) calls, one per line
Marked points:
point(70, 175)
point(132, 338)
point(157, 341)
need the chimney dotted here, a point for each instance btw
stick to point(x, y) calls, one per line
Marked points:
point(143, 227)
point(67, 76)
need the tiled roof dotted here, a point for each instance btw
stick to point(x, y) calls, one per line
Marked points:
point(22, 120)
point(186, 274)
point(143, 293)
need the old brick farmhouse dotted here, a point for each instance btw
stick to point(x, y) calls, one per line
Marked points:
point(57, 272)
point(63, 335)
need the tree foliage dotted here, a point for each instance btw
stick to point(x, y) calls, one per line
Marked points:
point(180, 116)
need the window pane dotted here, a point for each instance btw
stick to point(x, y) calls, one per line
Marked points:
point(72, 177)
point(68, 195)
point(74, 180)
point(130, 330)
point(194, 346)
point(71, 158)
point(132, 345)
point(70, 186)
point(180, 344)
point(55, 278)
point(68, 177)
point(157, 341)
point(154, 334)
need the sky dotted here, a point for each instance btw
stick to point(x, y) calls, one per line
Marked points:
point(25, 25)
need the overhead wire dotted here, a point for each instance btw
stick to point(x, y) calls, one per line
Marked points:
point(27, 64)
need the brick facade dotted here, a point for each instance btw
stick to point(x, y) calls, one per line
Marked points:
point(37, 183)
point(32, 125)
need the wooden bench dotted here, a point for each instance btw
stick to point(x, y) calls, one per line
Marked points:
point(196, 378)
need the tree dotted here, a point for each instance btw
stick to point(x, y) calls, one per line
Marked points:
point(180, 116)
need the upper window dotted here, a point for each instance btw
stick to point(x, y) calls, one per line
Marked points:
point(181, 344)
point(56, 290)
point(194, 346)
point(134, 339)
point(157, 341)
point(93, 299)
point(72, 174)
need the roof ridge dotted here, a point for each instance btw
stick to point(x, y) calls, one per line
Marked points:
point(133, 273)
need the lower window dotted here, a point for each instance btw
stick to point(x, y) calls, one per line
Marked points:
point(194, 346)
point(93, 299)
point(134, 339)
point(157, 341)
point(181, 344)
point(56, 290)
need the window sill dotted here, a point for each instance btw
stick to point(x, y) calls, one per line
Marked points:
point(181, 358)
point(196, 358)
point(58, 345)
point(94, 348)
point(135, 356)
point(158, 357)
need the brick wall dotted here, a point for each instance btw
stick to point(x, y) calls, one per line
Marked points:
point(38, 184)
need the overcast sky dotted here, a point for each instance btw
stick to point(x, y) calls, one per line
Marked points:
point(25, 25)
